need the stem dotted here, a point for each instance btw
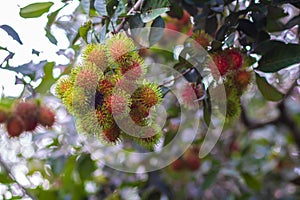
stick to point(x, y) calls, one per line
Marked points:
point(133, 9)
point(177, 77)
point(7, 170)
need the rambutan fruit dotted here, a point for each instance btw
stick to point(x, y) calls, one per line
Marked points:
point(15, 126)
point(242, 79)
point(177, 165)
point(112, 134)
point(132, 71)
point(149, 94)
point(62, 86)
point(45, 116)
point(148, 137)
point(221, 62)
point(88, 77)
point(117, 103)
point(27, 111)
point(120, 48)
point(96, 54)
point(138, 113)
point(235, 58)
point(104, 118)
point(192, 162)
point(67, 100)
point(106, 86)
point(233, 109)
point(202, 38)
point(126, 85)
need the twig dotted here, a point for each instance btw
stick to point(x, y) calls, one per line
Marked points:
point(177, 77)
point(7, 170)
point(134, 8)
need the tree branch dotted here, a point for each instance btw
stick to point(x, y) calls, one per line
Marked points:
point(133, 9)
point(7, 170)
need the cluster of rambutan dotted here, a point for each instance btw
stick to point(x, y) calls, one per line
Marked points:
point(24, 116)
point(108, 91)
point(189, 161)
point(232, 65)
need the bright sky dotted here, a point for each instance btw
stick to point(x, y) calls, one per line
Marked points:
point(32, 34)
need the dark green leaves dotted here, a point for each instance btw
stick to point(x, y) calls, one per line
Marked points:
point(268, 91)
point(277, 55)
point(154, 8)
point(83, 30)
point(35, 9)
point(251, 181)
point(48, 80)
point(10, 31)
point(157, 30)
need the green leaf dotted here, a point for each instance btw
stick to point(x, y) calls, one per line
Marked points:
point(51, 37)
point(5, 179)
point(35, 9)
point(83, 30)
point(157, 30)
point(10, 31)
point(155, 4)
point(150, 15)
point(251, 181)
point(48, 80)
point(268, 91)
point(86, 167)
point(135, 24)
point(111, 7)
point(211, 176)
point(100, 7)
point(277, 55)
point(52, 16)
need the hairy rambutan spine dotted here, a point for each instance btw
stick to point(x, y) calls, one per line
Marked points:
point(96, 54)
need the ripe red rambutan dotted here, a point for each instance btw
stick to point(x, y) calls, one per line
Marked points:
point(222, 64)
point(242, 79)
point(46, 117)
point(27, 111)
point(133, 71)
point(148, 95)
point(3, 116)
point(112, 134)
point(15, 126)
point(117, 104)
point(235, 58)
point(177, 165)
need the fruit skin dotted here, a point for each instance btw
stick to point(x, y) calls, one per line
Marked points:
point(242, 79)
point(222, 63)
point(192, 162)
point(235, 58)
point(27, 111)
point(15, 126)
point(88, 77)
point(148, 95)
point(112, 134)
point(46, 116)
point(202, 38)
point(96, 54)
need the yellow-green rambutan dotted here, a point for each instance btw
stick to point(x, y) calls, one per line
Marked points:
point(118, 103)
point(233, 109)
point(63, 85)
point(96, 54)
point(104, 118)
point(148, 137)
point(120, 48)
point(88, 77)
point(149, 94)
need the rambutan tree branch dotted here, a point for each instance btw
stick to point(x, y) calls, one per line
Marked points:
point(25, 192)
point(133, 9)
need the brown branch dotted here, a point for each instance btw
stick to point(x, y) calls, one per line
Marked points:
point(11, 176)
point(133, 9)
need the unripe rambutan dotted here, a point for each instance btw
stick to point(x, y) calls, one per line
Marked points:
point(202, 38)
point(62, 86)
point(104, 118)
point(27, 111)
point(148, 137)
point(133, 71)
point(96, 54)
point(148, 95)
point(221, 62)
point(233, 109)
point(15, 126)
point(242, 79)
point(120, 48)
point(235, 58)
point(88, 77)
point(117, 103)
point(45, 116)
point(126, 85)
point(67, 100)
point(112, 134)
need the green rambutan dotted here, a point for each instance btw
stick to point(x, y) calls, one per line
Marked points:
point(104, 118)
point(233, 109)
point(62, 86)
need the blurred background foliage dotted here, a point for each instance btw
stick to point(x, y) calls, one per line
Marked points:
point(257, 156)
